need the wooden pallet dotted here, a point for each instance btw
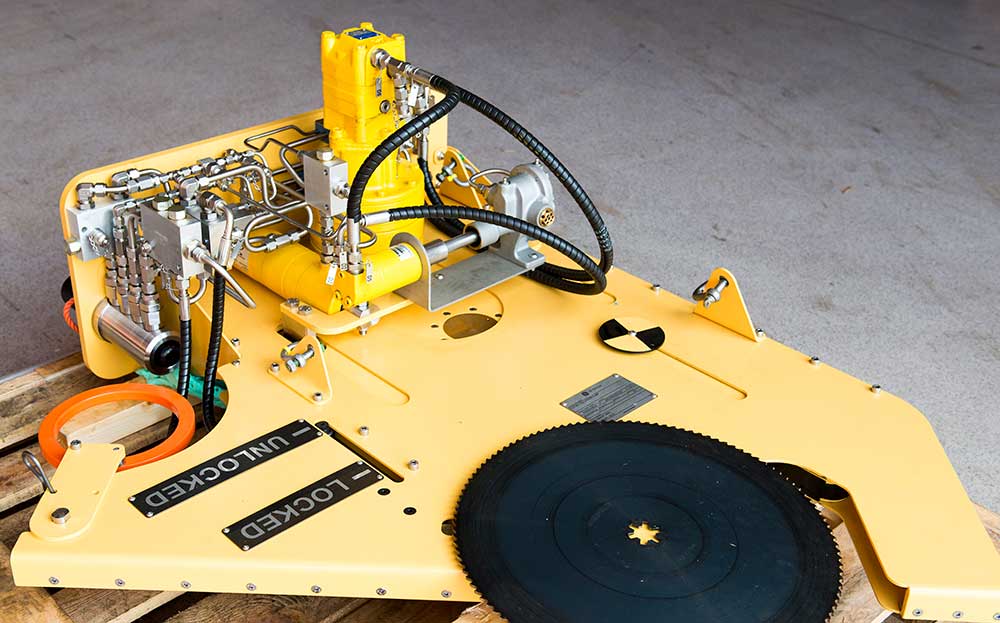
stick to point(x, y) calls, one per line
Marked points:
point(24, 401)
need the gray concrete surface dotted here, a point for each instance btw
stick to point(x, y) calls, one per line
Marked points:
point(842, 156)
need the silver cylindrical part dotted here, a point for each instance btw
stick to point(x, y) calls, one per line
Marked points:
point(158, 351)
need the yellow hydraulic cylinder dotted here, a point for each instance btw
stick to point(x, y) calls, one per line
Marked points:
point(295, 271)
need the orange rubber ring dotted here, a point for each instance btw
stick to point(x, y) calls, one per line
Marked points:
point(48, 432)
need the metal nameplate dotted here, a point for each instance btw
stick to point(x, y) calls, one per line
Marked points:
point(608, 400)
point(221, 468)
point(301, 505)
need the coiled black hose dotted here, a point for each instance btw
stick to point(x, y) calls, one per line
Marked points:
point(184, 361)
point(450, 227)
point(183, 369)
point(552, 163)
point(393, 142)
point(590, 269)
point(567, 279)
point(214, 346)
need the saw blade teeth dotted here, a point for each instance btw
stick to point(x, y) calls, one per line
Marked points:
point(820, 541)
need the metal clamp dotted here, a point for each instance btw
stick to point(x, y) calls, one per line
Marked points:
point(35, 467)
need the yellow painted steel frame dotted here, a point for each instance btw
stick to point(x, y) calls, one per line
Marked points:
point(451, 403)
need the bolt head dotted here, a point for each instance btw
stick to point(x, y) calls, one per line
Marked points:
point(53, 580)
point(60, 515)
point(292, 302)
point(446, 594)
point(958, 614)
point(381, 591)
point(363, 431)
point(305, 310)
point(251, 587)
point(185, 584)
point(236, 363)
point(439, 276)
point(318, 396)
point(876, 389)
point(74, 445)
point(325, 154)
point(275, 367)
point(315, 588)
point(119, 582)
point(72, 246)
point(235, 341)
point(414, 465)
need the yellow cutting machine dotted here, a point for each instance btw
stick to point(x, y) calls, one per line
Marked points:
point(397, 316)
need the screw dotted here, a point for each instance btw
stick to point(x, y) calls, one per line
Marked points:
point(74, 445)
point(53, 580)
point(363, 431)
point(318, 396)
point(315, 588)
point(131, 498)
point(305, 310)
point(185, 584)
point(292, 302)
point(957, 614)
point(876, 389)
point(439, 154)
point(251, 587)
point(119, 582)
point(439, 276)
point(814, 360)
point(246, 547)
point(381, 591)
point(534, 256)
point(225, 531)
point(235, 341)
point(236, 363)
point(996, 617)
point(414, 465)
point(760, 332)
point(656, 288)
point(917, 612)
point(446, 593)
point(275, 367)
point(149, 513)
point(60, 515)
point(325, 155)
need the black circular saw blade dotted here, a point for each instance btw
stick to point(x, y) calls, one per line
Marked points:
point(626, 521)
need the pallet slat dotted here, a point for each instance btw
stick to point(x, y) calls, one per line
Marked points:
point(25, 603)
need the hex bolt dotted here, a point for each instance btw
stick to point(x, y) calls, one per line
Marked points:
point(72, 246)
point(316, 588)
point(305, 310)
point(318, 396)
point(251, 586)
point(119, 582)
point(876, 389)
point(275, 366)
point(363, 431)
point(185, 584)
point(439, 154)
point(414, 465)
point(60, 515)
point(326, 155)
point(381, 591)
point(235, 342)
point(446, 593)
point(74, 445)
point(292, 302)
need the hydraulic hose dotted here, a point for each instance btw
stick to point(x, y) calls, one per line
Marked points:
point(183, 369)
point(214, 346)
point(546, 157)
point(589, 269)
point(393, 142)
point(450, 227)
point(184, 362)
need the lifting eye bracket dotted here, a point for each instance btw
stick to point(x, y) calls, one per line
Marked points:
point(719, 299)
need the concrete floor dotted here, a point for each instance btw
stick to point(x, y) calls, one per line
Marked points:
point(841, 156)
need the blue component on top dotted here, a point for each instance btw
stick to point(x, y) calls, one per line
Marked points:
point(361, 33)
